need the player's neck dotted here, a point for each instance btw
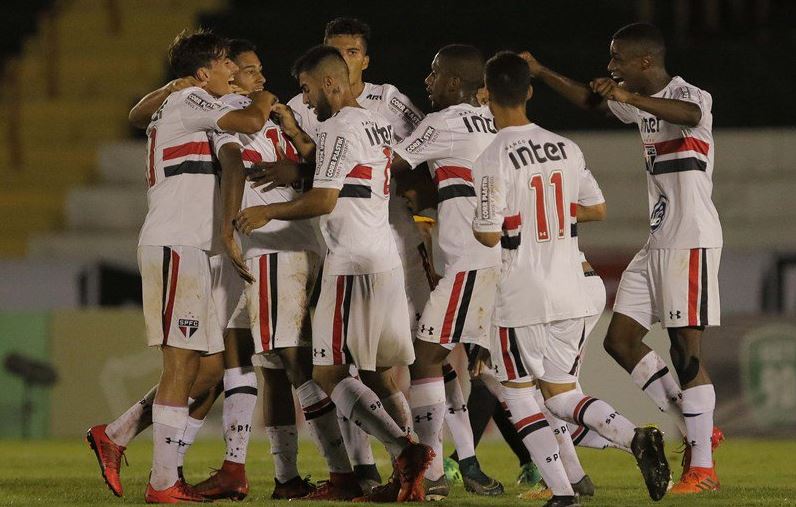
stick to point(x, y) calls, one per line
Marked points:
point(658, 80)
point(357, 88)
point(509, 117)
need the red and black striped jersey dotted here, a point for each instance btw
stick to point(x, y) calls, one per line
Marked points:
point(183, 198)
point(679, 164)
point(450, 141)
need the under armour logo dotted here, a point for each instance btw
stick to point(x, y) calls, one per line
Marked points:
point(179, 442)
point(453, 410)
point(674, 314)
point(318, 352)
point(427, 417)
point(430, 329)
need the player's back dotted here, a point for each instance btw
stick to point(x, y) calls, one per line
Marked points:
point(528, 178)
point(183, 195)
point(354, 155)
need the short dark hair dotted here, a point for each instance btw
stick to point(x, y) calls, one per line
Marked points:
point(238, 46)
point(348, 26)
point(646, 37)
point(192, 50)
point(466, 62)
point(310, 60)
point(507, 78)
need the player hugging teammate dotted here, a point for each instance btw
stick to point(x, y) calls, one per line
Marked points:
point(277, 238)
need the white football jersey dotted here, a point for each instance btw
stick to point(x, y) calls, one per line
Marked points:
point(183, 198)
point(450, 141)
point(679, 162)
point(354, 155)
point(276, 235)
point(528, 185)
point(403, 117)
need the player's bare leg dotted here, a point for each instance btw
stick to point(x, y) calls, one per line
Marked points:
point(357, 402)
point(567, 403)
point(240, 397)
point(698, 403)
point(169, 419)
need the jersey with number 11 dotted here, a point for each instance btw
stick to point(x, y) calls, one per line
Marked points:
point(527, 182)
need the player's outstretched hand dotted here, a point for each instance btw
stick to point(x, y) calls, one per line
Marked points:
point(608, 89)
point(269, 175)
point(252, 218)
point(236, 256)
point(533, 63)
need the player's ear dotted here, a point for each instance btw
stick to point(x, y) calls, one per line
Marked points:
point(365, 62)
point(646, 62)
point(202, 74)
point(530, 93)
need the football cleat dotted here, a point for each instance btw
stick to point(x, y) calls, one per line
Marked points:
point(339, 487)
point(584, 487)
point(562, 501)
point(697, 480)
point(109, 456)
point(180, 492)
point(228, 482)
point(476, 481)
point(294, 488)
point(436, 490)
point(411, 464)
point(647, 447)
point(529, 474)
point(716, 437)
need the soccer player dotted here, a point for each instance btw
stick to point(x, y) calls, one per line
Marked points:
point(177, 235)
point(351, 37)
point(528, 181)
point(361, 316)
point(283, 257)
point(450, 140)
point(674, 278)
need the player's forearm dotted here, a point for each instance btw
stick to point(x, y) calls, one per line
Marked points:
point(678, 112)
point(575, 92)
point(593, 213)
point(313, 203)
point(303, 143)
point(233, 184)
point(141, 113)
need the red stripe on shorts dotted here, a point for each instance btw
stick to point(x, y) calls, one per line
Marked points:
point(453, 302)
point(169, 310)
point(265, 308)
point(693, 287)
point(511, 371)
point(337, 325)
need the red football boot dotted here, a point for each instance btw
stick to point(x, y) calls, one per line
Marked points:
point(715, 439)
point(411, 464)
point(339, 487)
point(228, 482)
point(180, 492)
point(109, 456)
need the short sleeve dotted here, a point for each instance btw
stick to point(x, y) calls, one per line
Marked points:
point(200, 111)
point(334, 155)
point(431, 140)
point(219, 138)
point(694, 95)
point(624, 112)
point(401, 113)
point(491, 187)
point(589, 193)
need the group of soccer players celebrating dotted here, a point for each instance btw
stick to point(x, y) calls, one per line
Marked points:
point(280, 236)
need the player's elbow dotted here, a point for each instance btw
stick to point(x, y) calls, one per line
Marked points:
point(137, 120)
point(600, 212)
point(693, 116)
point(488, 239)
point(252, 125)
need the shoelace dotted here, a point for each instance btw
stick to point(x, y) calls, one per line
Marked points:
point(113, 455)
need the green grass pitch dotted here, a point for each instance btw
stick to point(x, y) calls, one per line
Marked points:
point(752, 472)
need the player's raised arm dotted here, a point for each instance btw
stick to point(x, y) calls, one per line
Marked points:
point(674, 111)
point(252, 118)
point(142, 112)
point(578, 93)
point(300, 139)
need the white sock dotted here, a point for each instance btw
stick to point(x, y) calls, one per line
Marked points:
point(284, 449)
point(168, 425)
point(192, 427)
point(584, 437)
point(357, 402)
point(573, 406)
point(321, 417)
point(357, 442)
point(535, 432)
point(427, 399)
point(698, 405)
point(456, 416)
point(566, 448)
point(240, 398)
point(653, 377)
point(398, 407)
point(124, 428)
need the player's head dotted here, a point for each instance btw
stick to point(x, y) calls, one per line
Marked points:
point(350, 36)
point(508, 81)
point(636, 49)
point(203, 55)
point(249, 76)
point(323, 76)
point(457, 72)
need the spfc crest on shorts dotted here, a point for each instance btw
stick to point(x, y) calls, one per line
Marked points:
point(188, 326)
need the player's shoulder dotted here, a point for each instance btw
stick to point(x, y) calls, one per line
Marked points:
point(236, 100)
point(197, 98)
point(296, 102)
point(680, 89)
